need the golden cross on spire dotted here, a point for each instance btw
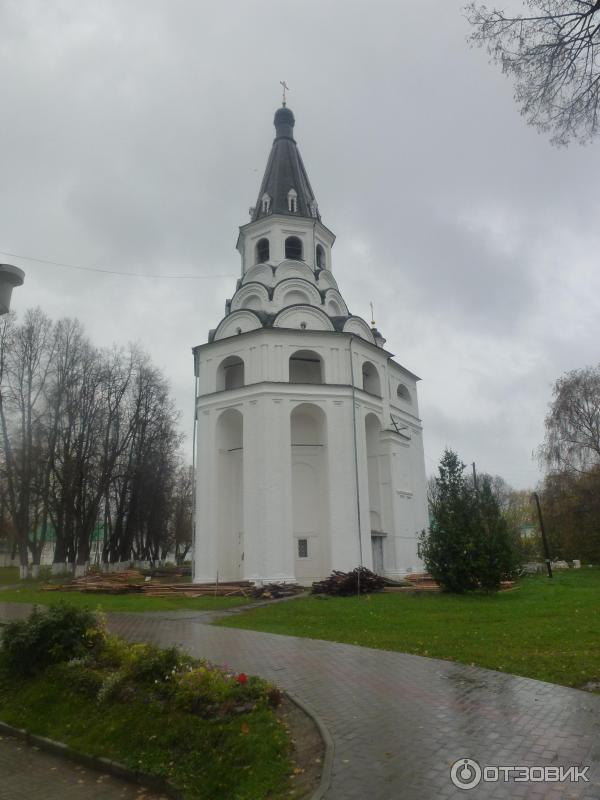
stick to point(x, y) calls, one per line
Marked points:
point(286, 88)
point(372, 316)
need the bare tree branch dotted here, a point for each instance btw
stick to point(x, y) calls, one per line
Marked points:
point(552, 57)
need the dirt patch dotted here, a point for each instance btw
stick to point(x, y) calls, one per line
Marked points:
point(308, 749)
point(591, 686)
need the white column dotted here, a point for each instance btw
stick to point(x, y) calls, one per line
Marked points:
point(253, 534)
point(343, 512)
point(276, 492)
point(205, 562)
point(363, 488)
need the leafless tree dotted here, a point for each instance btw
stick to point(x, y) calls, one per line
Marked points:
point(181, 530)
point(552, 54)
point(26, 352)
point(89, 443)
point(572, 441)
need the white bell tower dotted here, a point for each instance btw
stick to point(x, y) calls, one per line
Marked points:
point(309, 446)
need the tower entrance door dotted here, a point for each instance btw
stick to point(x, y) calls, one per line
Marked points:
point(377, 545)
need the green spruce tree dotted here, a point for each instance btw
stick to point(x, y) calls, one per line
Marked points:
point(495, 553)
point(468, 545)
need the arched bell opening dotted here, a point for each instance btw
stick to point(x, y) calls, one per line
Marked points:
point(306, 366)
point(293, 248)
point(262, 251)
point(371, 381)
point(230, 374)
point(230, 491)
point(320, 259)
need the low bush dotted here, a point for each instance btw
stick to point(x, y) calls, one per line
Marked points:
point(60, 633)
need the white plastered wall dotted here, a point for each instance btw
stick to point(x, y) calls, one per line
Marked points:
point(266, 403)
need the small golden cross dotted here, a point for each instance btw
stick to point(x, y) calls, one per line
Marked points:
point(372, 316)
point(286, 88)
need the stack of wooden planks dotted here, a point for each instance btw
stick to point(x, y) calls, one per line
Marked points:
point(423, 582)
point(227, 589)
point(132, 581)
point(125, 582)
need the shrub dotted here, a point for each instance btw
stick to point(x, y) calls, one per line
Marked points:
point(61, 633)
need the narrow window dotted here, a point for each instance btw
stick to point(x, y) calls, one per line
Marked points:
point(302, 548)
point(265, 203)
point(262, 251)
point(320, 257)
point(293, 248)
point(292, 201)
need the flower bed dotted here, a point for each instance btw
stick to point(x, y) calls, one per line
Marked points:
point(209, 731)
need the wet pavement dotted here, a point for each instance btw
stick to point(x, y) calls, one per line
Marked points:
point(399, 722)
point(27, 773)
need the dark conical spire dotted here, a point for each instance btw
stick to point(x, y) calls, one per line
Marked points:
point(285, 173)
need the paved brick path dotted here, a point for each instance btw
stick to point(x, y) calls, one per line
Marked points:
point(27, 773)
point(398, 721)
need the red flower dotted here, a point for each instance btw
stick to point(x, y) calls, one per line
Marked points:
point(242, 678)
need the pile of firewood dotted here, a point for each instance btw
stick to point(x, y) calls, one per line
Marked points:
point(360, 581)
point(275, 591)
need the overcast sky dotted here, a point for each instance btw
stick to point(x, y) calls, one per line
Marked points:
point(134, 136)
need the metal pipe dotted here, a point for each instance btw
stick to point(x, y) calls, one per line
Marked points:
point(194, 437)
point(355, 452)
point(544, 538)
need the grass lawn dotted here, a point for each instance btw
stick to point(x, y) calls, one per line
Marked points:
point(118, 602)
point(544, 629)
point(9, 575)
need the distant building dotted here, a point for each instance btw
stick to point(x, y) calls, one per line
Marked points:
point(309, 443)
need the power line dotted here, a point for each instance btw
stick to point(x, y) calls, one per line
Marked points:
point(113, 271)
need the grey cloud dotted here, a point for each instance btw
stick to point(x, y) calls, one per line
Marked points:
point(135, 136)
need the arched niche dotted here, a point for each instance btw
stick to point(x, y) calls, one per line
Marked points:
point(252, 295)
point(261, 273)
point(306, 366)
point(303, 317)
point(334, 304)
point(403, 393)
point(229, 438)
point(371, 381)
point(295, 291)
point(230, 374)
point(293, 269)
point(310, 508)
point(359, 327)
point(236, 323)
point(326, 280)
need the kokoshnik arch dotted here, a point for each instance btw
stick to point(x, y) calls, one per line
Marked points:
point(309, 444)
